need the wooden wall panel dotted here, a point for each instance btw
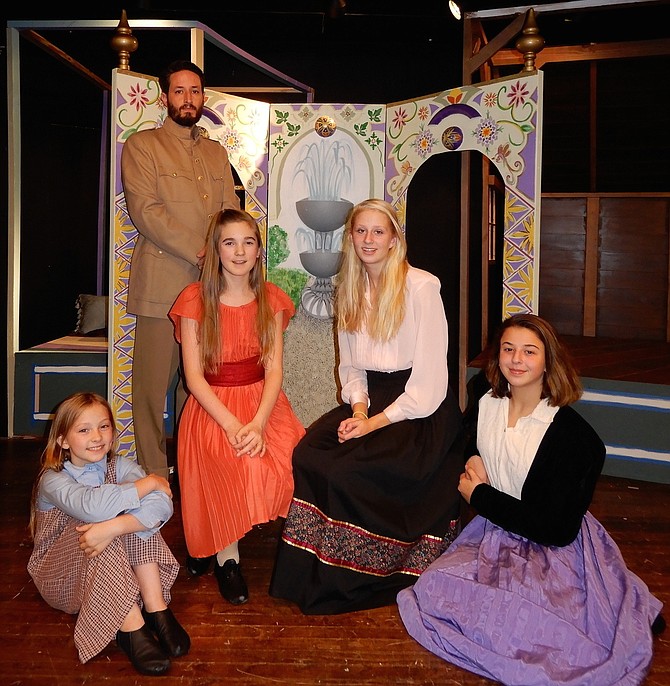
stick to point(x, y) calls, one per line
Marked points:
point(605, 265)
point(632, 294)
point(562, 261)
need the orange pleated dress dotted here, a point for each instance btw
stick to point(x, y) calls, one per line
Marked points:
point(222, 495)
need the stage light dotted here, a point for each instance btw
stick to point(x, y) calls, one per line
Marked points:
point(455, 9)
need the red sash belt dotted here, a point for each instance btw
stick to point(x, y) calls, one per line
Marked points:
point(240, 373)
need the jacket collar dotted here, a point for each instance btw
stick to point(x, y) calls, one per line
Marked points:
point(186, 133)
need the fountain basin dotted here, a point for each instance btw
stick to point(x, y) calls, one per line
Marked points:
point(323, 215)
point(321, 263)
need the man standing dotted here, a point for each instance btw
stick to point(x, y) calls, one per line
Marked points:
point(174, 180)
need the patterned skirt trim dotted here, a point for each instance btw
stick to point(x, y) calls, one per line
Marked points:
point(342, 544)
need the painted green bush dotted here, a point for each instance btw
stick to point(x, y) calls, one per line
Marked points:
point(292, 281)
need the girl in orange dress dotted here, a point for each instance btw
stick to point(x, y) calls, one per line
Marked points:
point(237, 430)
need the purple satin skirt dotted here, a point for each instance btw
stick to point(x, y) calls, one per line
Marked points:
point(523, 614)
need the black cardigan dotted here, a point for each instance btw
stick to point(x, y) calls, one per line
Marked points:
point(559, 486)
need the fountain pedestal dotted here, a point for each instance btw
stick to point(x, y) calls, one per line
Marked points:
point(323, 217)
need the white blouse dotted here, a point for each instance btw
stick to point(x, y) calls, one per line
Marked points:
point(421, 344)
point(508, 452)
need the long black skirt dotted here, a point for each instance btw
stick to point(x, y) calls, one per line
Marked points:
point(370, 514)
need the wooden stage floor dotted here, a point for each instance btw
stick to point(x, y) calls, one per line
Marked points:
point(266, 641)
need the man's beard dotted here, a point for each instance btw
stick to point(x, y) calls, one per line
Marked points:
point(187, 118)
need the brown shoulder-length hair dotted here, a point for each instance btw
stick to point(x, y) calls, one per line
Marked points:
point(561, 384)
point(213, 278)
point(55, 455)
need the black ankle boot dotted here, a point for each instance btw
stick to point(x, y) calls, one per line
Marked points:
point(143, 650)
point(171, 635)
point(197, 566)
point(232, 585)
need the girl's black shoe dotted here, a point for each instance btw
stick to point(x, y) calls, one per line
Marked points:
point(232, 585)
point(197, 566)
point(143, 651)
point(171, 634)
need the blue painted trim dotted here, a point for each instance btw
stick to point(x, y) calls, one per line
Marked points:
point(622, 452)
point(632, 400)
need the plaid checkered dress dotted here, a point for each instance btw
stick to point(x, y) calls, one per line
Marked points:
point(100, 590)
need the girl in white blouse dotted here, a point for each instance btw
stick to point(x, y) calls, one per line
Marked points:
point(534, 591)
point(376, 497)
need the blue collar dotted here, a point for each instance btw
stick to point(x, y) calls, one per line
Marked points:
point(99, 468)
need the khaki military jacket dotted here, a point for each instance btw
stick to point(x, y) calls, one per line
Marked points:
point(174, 181)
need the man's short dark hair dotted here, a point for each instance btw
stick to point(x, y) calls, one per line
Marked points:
point(179, 65)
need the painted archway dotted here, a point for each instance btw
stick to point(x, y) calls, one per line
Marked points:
point(502, 120)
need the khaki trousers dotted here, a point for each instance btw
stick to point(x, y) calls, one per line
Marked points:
point(155, 362)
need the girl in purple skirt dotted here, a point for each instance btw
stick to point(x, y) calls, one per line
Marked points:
point(534, 590)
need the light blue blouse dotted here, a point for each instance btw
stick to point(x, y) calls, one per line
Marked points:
point(81, 492)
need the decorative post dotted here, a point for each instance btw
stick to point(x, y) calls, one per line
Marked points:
point(530, 42)
point(123, 42)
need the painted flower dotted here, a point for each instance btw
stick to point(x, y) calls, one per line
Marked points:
point(490, 99)
point(256, 116)
point(502, 154)
point(347, 113)
point(305, 114)
point(400, 119)
point(423, 145)
point(424, 112)
point(279, 143)
point(487, 131)
point(406, 168)
point(518, 94)
point(244, 162)
point(528, 234)
point(373, 141)
point(231, 140)
point(138, 97)
point(513, 208)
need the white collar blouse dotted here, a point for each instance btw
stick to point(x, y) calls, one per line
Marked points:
point(508, 452)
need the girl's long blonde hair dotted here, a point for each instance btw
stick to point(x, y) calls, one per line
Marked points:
point(213, 278)
point(383, 320)
point(55, 455)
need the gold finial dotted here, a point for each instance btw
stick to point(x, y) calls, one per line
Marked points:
point(530, 42)
point(123, 42)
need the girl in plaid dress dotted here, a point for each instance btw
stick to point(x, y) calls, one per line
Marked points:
point(98, 552)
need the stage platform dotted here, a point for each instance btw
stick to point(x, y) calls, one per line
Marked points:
point(626, 399)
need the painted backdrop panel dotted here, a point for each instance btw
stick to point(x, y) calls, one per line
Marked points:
point(303, 166)
point(323, 159)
